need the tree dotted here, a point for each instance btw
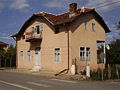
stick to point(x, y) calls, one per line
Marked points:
point(2, 52)
point(8, 57)
point(113, 55)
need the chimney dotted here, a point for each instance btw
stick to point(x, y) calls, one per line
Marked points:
point(72, 7)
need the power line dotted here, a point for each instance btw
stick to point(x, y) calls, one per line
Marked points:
point(107, 4)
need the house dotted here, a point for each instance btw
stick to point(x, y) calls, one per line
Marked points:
point(3, 45)
point(56, 42)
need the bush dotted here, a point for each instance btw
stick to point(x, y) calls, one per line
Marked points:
point(97, 75)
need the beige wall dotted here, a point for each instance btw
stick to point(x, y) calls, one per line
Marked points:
point(50, 41)
point(78, 37)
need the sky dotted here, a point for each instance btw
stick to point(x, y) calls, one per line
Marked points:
point(13, 14)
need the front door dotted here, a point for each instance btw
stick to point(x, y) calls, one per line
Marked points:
point(37, 57)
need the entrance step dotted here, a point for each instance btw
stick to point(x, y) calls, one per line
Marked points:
point(35, 69)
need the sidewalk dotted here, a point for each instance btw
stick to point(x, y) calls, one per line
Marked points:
point(48, 74)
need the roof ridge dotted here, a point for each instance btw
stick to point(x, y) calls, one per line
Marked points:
point(44, 13)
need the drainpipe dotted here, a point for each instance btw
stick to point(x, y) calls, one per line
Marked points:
point(68, 36)
point(68, 44)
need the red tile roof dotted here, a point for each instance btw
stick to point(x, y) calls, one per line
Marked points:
point(3, 43)
point(62, 18)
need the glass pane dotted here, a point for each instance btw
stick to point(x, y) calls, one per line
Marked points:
point(82, 48)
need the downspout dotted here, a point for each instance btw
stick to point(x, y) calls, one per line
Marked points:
point(68, 45)
point(68, 36)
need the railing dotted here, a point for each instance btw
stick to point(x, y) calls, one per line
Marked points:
point(33, 35)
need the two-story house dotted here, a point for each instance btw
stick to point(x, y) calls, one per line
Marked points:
point(55, 42)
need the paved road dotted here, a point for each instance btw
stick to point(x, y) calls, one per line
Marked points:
point(17, 81)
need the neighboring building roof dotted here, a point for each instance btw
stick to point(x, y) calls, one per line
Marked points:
point(62, 19)
point(3, 43)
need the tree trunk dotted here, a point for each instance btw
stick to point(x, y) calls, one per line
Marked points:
point(117, 73)
point(0, 61)
point(5, 62)
point(10, 61)
point(109, 71)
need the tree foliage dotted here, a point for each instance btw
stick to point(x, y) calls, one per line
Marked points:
point(7, 57)
point(113, 55)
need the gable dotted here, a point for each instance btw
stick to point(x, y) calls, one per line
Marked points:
point(56, 20)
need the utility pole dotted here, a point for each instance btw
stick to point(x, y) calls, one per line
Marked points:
point(104, 60)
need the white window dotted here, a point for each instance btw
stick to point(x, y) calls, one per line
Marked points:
point(32, 29)
point(37, 29)
point(29, 55)
point(41, 27)
point(57, 54)
point(84, 53)
point(93, 27)
point(86, 27)
point(21, 55)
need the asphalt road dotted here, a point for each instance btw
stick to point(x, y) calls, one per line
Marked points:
point(17, 81)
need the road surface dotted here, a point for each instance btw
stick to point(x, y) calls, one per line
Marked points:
point(17, 81)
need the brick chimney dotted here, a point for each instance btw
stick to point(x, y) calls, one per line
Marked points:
point(72, 7)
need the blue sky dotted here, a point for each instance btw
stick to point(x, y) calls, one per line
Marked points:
point(13, 13)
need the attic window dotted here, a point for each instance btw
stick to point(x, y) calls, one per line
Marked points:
point(86, 26)
point(38, 31)
point(23, 36)
point(57, 30)
point(93, 27)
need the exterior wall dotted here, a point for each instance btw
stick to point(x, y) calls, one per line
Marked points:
point(49, 42)
point(79, 37)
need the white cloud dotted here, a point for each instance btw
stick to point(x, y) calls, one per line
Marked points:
point(54, 4)
point(19, 4)
point(114, 34)
point(101, 3)
point(6, 38)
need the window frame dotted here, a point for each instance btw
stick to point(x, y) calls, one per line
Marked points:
point(86, 56)
point(38, 28)
point(86, 26)
point(22, 55)
point(29, 55)
point(93, 27)
point(59, 54)
point(41, 28)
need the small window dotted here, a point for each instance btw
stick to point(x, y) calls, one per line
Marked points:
point(21, 55)
point(32, 29)
point(93, 27)
point(37, 29)
point(86, 27)
point(41, 27)
point(57, 54)
point(23, 36)
point(84, 53)
point(29, 55)
point(57, 30)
